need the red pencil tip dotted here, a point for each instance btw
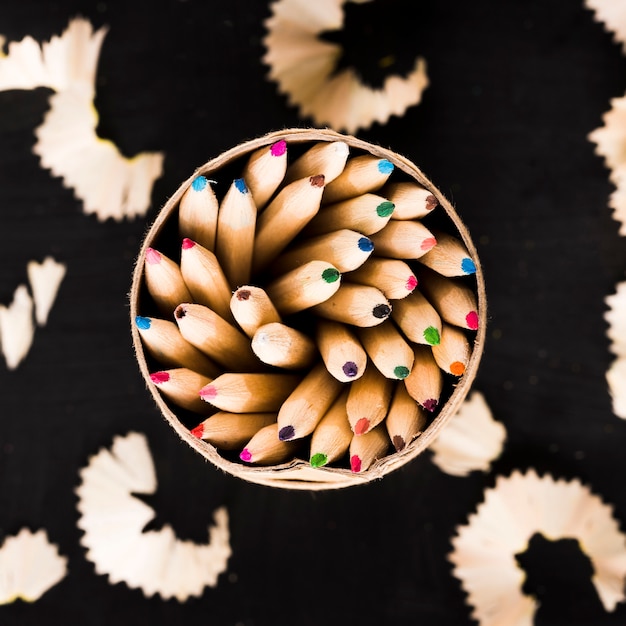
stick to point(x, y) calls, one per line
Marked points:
point(198, 431)
point(188, 243)
point(152, 256)
point(472, 320)
point(355, 464)
point(362, 426)
point(411, 283)
point(159, 377)
point(428, 243)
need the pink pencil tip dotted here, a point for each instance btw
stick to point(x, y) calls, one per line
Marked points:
point(428, 243)
point(362, 426)
point(159, 377)
point(208, 392)
point(245, 455)
point(198, 431)
point(152, 256)
point(472, 320)
point(188, 243)
point(355, 464)
point(279, 148)
point(411, 283)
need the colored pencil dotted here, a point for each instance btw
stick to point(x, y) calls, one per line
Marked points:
point(164, 282)
point(393, 277)
point(163, 341)
point(307, 403)
point(265, 448)
point(345, 249)
point(197, 213)
point(204, 277)
point(236, 224)
point(341, 350)
point(332, 436)
point(181, 386)
point(453, 351)
point(450, 257)
point(284, 217)
point(304, 287)
point(368, 400)
point(411, 199)
point(362, 174)
point(265, 170)
point(326, 157)
point(219, 340)
point(367, 213)
point(249, 392)
point(230, 431)
point(418, 319)
point(387, 349)
point(368, 448)
point(359, 305)
point(401, 239)
point(252, 308)
point(454, 300)
point(282, 346)
point(425, 382)
point(405, 420)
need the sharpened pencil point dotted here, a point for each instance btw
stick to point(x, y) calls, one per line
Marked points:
point(240, 185)
point(198, 431)
point(385, 209)
point(188, 243)
point(317, 180)
point(431, 335)
point(457, 368)
point(152, 256)
point(431, 202)
point(199, 183)
point(245, 455)
point(279, 148)
point(180, 312)
point(355, 464)
point(143, 323)
point(243, 294)
point(286, 433)
point(319, 460)
point(401, 371)
point(208, 393)
point(385, 166)
point(362, 426)
point(365, 244)
point(398, 443)
point(350, 369)
point(468, 266)
point(330, 275)
point(159, 377)
point(411, 283)
point(381, 311)
point(472, 320)
point(430, 405)
point(428, 243)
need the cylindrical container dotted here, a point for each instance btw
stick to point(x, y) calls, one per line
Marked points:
point(440, 319)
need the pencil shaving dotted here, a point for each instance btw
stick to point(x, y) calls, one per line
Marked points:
point(515, 509)
point(612, 15)
point(615, 316)
point(17, 327)
point(303, 66)
point(112, 520)
point(471, 440)
point(45, 279)
point(29, 566)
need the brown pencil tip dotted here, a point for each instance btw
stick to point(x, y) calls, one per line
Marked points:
point(431, 202)
point(398, 443)
point(243, 294)
point(180, 312)
point(317, 180)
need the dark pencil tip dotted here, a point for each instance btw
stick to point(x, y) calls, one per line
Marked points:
point(398, 443)
point(317, 180)
point(243, 294)
point(286, 433)
point(381, 311)
point(350, 369)
point(430, 405)
point(180, 312)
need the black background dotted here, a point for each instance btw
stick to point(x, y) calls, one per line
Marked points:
point(515, 88)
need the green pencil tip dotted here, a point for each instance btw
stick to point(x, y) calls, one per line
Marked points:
point(318, 460)
point(431, 334)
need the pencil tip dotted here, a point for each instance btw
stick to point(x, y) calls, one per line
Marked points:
point(381, 311)
point(153, 256)
point(242, 294)
point(199, 183)
point(143, 323)
point(385, 166)
point(198, 431)
point(428, 244)
point(350, 369)
point(457, 368)
point(411, 283)
point(431, 335)
point(330, 275)
point(180, 311)
point(279, 148)
point(430, 404)
point(468, 266)
point(472, 320)
point(317, 180)
point(245, 455)
point(401, 371)
point(159, 377)
point(398, 443)
point(208, 392)
point(385, 209)
point(365, 244)
point(431, 202)
point(286, 433)
point(362, 426)
point(240, 185)
point(188, 243)
point(318, 460)
point(355, 464)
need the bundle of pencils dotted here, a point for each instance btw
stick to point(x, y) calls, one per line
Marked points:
point(308, 306)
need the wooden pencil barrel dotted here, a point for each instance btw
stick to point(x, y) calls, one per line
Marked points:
point(298, 472)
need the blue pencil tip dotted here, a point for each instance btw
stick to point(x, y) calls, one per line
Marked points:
point(199, 183)
point(468, 266)
point(365, 244)
point(142, 323)
point(385, 167)
point(240, 184)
